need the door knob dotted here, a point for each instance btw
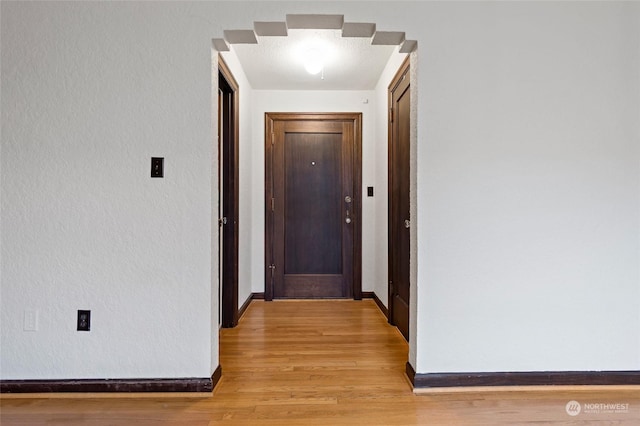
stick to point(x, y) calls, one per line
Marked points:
point(407, 223)
point(348, 220)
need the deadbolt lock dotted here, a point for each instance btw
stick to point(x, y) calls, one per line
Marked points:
point(347, 199)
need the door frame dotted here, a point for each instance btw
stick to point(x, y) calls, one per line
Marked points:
point(356, 118)
point(403, 72)
point(228, 153)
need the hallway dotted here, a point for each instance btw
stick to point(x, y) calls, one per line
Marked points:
point(329, 362)
point(333, 361)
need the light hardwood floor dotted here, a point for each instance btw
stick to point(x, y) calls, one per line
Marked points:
point(319, 363)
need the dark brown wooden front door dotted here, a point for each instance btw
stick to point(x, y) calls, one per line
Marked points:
point(313, 205)
point(399, 220)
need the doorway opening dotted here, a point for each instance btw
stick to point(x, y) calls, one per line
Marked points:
point(228, 194)
point(267, 73)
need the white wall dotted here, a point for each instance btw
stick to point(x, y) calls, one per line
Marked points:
point(528, 184)
point(529, 188)
point(90, 92)
point(317, 101)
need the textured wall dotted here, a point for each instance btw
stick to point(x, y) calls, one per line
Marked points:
point(529, 187)
point(527, 184)
point(89, 94)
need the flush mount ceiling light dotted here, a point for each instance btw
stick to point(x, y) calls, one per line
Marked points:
point(314, 54)
point(313, 62)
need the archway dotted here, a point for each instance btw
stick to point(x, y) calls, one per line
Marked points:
point(235, 43)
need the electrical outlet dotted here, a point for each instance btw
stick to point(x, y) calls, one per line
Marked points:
point(30, 320)
point(84, 320)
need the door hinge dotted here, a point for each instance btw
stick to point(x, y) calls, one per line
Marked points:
point(390, 115)
point(273, 204)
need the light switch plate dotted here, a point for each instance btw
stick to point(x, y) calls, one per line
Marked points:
point(84, 320)
point(30, 320)
point(157, 167)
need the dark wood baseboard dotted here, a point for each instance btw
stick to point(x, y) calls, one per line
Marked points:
point(411, 373)
point(522, 378)
point(245, 305)
point(113, 385)
point(215, 377)
point(374, 296)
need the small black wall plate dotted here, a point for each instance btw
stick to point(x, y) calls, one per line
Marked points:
point(84, 320)
point(157, 167)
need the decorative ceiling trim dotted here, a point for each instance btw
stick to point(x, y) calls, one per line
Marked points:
point(270, 29)
point(240, 36)
point(358, 29)
point(408, 46)
point(220, 45)
point(315, 22)
point(387, 38)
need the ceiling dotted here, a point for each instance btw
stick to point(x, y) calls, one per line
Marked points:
point(278, 62)
point(353, 55)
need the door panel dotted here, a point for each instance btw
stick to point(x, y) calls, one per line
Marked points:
point(313, 212)
point(399, 220)
point(313, 234)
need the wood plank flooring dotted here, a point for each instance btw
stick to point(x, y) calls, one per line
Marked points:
point(319, 363)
